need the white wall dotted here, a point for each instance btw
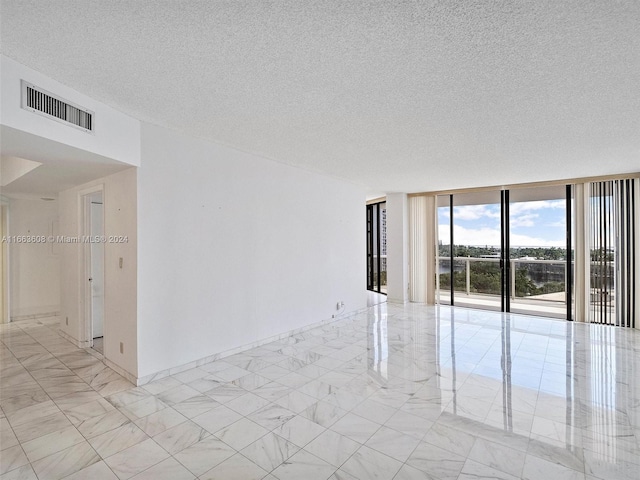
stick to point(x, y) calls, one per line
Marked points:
point(235, 248)
point(120, 308)
point(397, 248)
point(34, 268)
point(116, 135)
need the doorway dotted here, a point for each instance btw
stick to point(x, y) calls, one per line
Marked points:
point(507, 250)
point(94, 267)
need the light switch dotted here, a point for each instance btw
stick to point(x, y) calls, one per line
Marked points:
point(120, 262)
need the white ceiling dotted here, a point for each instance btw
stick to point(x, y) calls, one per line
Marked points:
point(396, 95)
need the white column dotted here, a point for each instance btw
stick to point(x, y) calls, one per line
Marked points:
point(397, 248)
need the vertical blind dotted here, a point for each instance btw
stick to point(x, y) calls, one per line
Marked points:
point(612, 232)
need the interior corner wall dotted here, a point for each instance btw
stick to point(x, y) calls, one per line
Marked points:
point(235, 249)
point(120, 305)
point(34, 266)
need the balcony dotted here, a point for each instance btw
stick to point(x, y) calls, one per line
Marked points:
point(537, 286)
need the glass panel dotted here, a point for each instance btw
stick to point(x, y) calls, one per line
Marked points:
point(444, 251)
point(476, 237)
point(537, 219)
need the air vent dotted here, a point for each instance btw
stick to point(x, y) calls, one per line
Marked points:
point(40, 101)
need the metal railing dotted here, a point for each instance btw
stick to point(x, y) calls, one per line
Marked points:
point(560, 273)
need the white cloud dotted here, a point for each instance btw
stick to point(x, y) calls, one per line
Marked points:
point(524, 220)
point(520, 207)
point(474, 212)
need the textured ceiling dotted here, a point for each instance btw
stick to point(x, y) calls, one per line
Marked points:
point(396, 95)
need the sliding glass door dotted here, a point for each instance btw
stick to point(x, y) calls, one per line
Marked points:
point(506, 250)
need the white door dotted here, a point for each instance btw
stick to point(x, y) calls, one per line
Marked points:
point(97, 269)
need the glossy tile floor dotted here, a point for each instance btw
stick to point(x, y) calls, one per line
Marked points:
point(401, 393)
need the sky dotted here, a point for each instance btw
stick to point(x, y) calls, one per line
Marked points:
point(533, 224)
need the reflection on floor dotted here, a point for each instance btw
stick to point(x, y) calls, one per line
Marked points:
point(398, 392)
point(98, 345)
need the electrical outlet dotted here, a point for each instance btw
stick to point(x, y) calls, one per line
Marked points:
point(121, 347)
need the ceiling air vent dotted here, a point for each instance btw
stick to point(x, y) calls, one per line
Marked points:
point(40, 101)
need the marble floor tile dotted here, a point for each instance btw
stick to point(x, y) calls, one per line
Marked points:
point(374, 411)
point(247, 403)
point(369, 463)
point(272, 416)
point(204, 384)
point(7, 437)
point(97, 471)
point(176, 439)
point(204, 455)
point(296, 401)
point(436, 462)
point(194, 406)
point(88, 410)
point(241, 433)
point(217, 418)
point(162, 385)
point(270, 451)
point(12, 458)
point(73, 400)
point(393, 443)
point(455, 441)
point(169, 469)
point(409, 424)
point(160, 421)
point(473, 470)
point(536, 468)
point(95, 426)
point(299, 430)
point(136, 459)
point(51, 443)
point(66, 462)
point(177, 394)
point(21, 473)
point(355, 427)
point(126, 397)
point(304, 465)
point(238, 466)
point(142, 408)
point(498, 457)
point(32, 413)
point(225, 393)
point(332, 447)
point(323, 413)
point(118, 439)
point(41, 426)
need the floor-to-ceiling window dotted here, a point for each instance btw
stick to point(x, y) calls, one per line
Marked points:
point(506, 250)
point(377, 247)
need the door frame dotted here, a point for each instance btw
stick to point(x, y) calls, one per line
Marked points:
point(84, 287)
point(506, 277)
